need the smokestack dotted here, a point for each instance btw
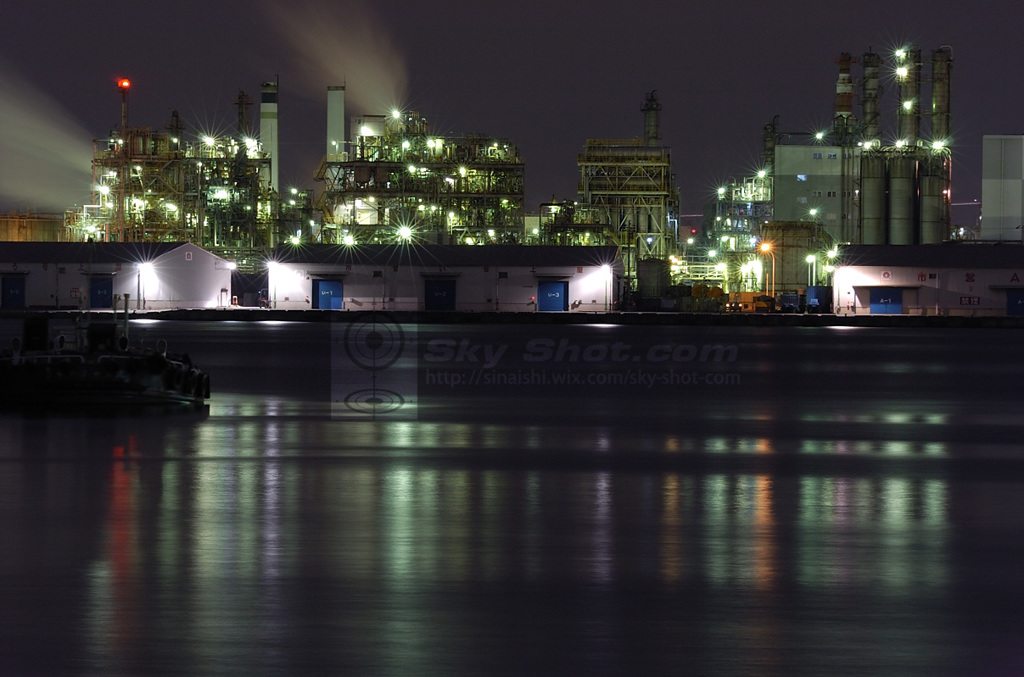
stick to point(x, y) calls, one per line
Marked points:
point(336, 138)
point(268, 133)
point(908, 73)
point(842, 118)
point(942, 63)
point(869, 101)
point(844, 88)
point(652, 135)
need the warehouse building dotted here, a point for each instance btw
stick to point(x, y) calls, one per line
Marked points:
point(101, 275)
point(506, 278)
point(952, 279)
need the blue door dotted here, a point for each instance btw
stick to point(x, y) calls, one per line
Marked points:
point(13, 294)
point(101, 292)
point(886, 301)
point(440, 295)
point(328, 294)
point(1015, 302)
point(553, 296)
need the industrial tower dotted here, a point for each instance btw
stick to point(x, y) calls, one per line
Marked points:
point(626, 187)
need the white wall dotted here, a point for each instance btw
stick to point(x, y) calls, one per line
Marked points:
point(477, 288)
point(927, 291)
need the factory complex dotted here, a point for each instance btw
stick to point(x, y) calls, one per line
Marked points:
point(853, 219)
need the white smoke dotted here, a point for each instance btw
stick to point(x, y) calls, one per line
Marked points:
point(45, 157)
point(342, 44)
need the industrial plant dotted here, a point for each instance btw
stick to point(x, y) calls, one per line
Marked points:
point(879, 175)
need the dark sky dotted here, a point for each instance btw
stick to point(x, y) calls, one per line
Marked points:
point(546, 75)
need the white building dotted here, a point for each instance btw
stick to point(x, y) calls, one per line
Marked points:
point(1002, 188)
point(97, 275)
point(949, 279)
point(503, 278)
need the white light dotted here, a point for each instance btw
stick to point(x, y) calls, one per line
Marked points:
point(232, 265)
point(209, 141)
point(405, 232)
point(365, 131)
point(348, 240)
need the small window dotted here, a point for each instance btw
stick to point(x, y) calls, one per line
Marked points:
point(815, 193)
point(503, 275)
point(802, 200)
point(833, 156)
point(832, 193)
point(816, 156)
point(801, 177)
point(378, 273)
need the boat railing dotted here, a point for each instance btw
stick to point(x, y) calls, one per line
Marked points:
point(47, 358)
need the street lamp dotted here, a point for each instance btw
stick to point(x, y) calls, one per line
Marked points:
point(766, 248)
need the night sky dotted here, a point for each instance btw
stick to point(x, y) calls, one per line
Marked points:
point(545, 75)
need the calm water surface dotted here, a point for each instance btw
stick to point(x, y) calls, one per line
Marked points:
point(396, 500)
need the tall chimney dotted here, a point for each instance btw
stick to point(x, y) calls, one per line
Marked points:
point(942, 63)
point(268, 133)
point(652, 134)
point(869, 100)
point(336, 138)
point(908, 117)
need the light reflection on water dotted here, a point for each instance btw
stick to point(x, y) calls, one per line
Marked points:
point(265, 536)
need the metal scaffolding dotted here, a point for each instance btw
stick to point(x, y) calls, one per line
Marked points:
point(629, 186)
point(400, 182)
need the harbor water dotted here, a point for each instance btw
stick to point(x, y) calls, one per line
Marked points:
point(374, 497)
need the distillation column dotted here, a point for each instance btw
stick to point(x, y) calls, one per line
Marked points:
point(935, 170)
point(872, 163)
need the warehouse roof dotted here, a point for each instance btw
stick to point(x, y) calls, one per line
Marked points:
point(84, 252)
point(446, 255)
point(975, 255)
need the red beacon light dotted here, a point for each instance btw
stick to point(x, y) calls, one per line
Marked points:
point(124, 83)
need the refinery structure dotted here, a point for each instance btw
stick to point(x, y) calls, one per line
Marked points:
point(218, 192)
point(390, 178)
point(854, 183)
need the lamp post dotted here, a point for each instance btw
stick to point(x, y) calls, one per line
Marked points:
point(766, 248)
point(812, 271)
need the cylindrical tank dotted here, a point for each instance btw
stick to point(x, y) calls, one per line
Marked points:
point(934, 222)
point(872, 198)
point(902, 180)
point(652, 277)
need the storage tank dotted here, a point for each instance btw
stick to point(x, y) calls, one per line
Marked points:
point(652, 277)
point(872, 198)
point(902, 180)
point(934, 223)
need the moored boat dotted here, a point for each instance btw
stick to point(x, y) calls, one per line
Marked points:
point(98, 369)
